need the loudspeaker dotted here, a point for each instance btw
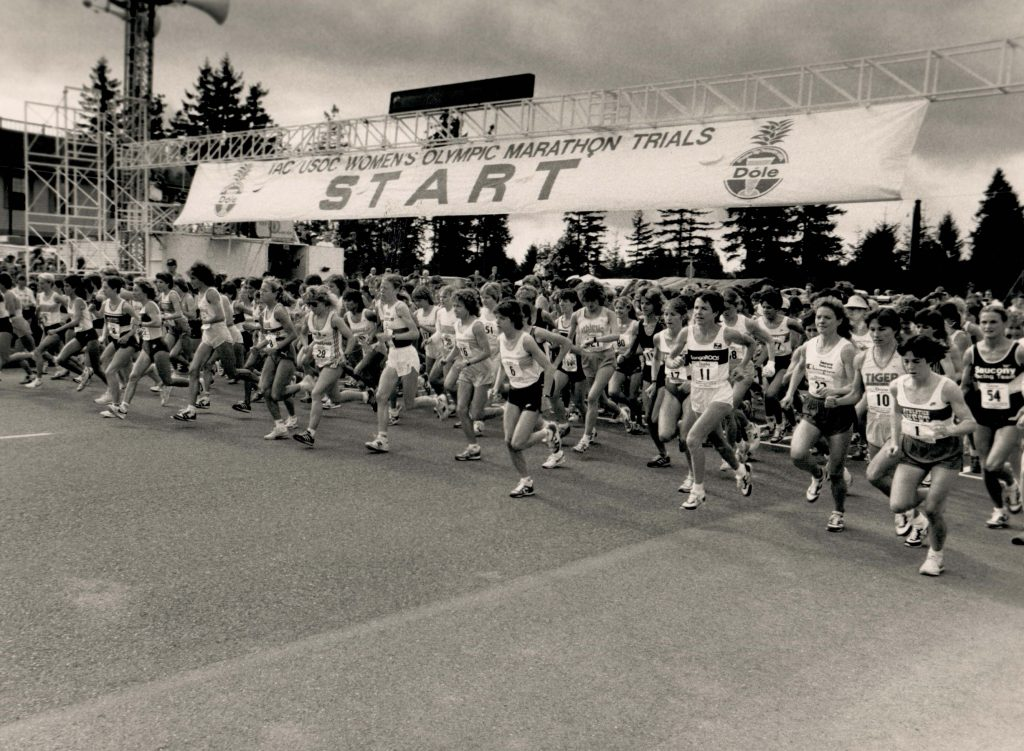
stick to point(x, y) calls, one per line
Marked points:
point(215, 9)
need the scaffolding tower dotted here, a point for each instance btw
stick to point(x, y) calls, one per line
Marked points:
point(942, 74)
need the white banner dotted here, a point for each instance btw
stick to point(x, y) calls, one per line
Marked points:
point(843, 156)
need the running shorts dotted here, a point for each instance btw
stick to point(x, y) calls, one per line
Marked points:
point(829, 421)
point(403, 360)
point(528, 398)
point(945, 452)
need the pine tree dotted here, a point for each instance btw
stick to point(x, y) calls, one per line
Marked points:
point(957, 270)
point(876, 258)
point(101, 102)
point(584, 233)
point(529, 263)
point(997, 256)
point(818, 248)
point(490, 237)
point(640, 240)
point(682, 236)
point(216, 105)
point(450, 242)
point(763, 237)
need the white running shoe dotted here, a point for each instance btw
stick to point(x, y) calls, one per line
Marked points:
point(115, 410)
point(155, 389)
point(932, 565)
point(378, 445)
point(60, 373)
point(904, 523)
point(83, 380)
point(836, 522)
point(814, 489)
point(687, 485)
point(105, 398)
point(522, 490)
point(34, 383)
point(478, 428)
point(916, 536)
point(583, 445)
point(998, 520)
point(695, 499)
point(745, 480)
point(1011, 497)
point(292, 422)
point(279, 431)
point(554, 460)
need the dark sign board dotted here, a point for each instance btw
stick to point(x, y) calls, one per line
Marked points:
point(461, 94)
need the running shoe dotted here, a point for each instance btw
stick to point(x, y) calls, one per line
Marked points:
point(554, 460)
point(292, 422)
point(904, 523)
point(305, 438)
point(328, 404)
point(441, 407)
point(59, 374)
point(203, 402)
point(241, 407)
point(916, 536)
point(394, 415)
point(695, 499)
point(478, 428)
point(1011, 497)
point(687, 485)
point(165, 395)
point(583, 445)
point(522, 490)
point(105, 398)
point(27, 379)
point(470, 454)
point(84, 379)
point(186, 415)
point(1017, 539)
point(155, 389)
point(34, 383)
point(554, 439)
point(998, 520)
point(745, 481)
point(932, 565)
point(835, 522)
point(753, 437)
point(115, 410)
point(776, 434)
point(279, 431)
point(814, 489)
point(624, 417)
point(378, 445)
point(635, 428)
point(660, 461)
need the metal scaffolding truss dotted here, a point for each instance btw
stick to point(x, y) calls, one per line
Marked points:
point(71, 179)
point(973, 70)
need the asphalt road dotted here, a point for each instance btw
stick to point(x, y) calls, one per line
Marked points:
point(167, 586)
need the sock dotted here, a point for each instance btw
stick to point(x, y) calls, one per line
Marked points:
point(311, 431)
point(698, 487)
point(526, 480)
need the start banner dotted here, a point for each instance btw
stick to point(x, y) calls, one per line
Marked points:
point(842, 156)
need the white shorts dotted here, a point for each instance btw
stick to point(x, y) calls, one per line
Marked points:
point(480, 374)
point(404, 360)
point(701, 397)
point(216, 335)
point(236, 335)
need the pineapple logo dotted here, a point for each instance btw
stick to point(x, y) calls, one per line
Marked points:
point(757, 171)
point(229, 196)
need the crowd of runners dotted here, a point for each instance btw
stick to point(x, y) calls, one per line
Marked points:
point(917, 387)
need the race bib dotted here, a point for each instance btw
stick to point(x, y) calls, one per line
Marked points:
point(995, 396)
point(879, 402)
point(113, 330)
point(514, 367)
point(323, 352)
point(817, 387)
point(648, 357)
point(569, 362)
point(675, 375)
point(464, 350)
point(923, 432)
point(447, 342)
point(489, 329)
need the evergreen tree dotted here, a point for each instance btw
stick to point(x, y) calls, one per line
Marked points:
point(529, 263)
point(876, 258)
point(490, 237)
point(997, 257)
point(681, 235)
point(957, 270)
point(216, 104)
point(640, 241)
point(451, 243)
point(565, 258)
point(818, 248)
point(100, 103)
point(763, 237)
point(584, 234)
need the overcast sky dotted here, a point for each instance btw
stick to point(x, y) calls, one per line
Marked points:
point(311, 54)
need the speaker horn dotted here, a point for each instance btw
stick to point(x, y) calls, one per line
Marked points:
point(215, 9)
point(111, 7)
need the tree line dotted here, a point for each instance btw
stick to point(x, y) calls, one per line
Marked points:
point(793, 245)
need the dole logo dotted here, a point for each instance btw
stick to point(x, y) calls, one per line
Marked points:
point(757, 171)
point(229, 195)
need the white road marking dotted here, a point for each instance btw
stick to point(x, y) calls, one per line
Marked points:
point(25, 435)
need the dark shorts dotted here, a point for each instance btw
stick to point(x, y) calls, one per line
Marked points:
point(628, 366)
point(994, 419)
point(5, 326)
point(131, 343)
point(829, 421)
point(152, 346)
point(84, 337)
point(47, 330)
point(945, 452)
point(195, 328)
point(372, 368)
point(527, 398)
